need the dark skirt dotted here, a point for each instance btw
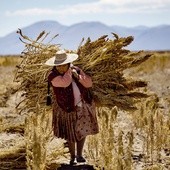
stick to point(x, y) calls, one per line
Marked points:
point(76, 125)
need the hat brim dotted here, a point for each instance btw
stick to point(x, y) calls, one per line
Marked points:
point(70, 58)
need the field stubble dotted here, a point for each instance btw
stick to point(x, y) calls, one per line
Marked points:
point(137, 141)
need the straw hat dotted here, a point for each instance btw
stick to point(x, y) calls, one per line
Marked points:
point(61, 58)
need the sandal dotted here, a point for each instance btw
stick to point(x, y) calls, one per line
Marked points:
point(72, 161)
point(80, 159)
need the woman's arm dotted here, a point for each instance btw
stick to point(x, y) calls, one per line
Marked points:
point(85, 80)
point(63, 81)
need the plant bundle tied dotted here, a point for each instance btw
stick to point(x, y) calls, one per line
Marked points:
point(104, 59)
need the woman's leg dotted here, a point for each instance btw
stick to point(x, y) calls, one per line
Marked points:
point(80, 145)
point(71, 146)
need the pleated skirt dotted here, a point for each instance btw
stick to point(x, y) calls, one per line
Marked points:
point(76, 125)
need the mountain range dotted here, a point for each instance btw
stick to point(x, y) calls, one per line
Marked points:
point(145, 38)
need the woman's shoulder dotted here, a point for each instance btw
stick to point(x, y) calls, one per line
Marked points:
point(52, 74)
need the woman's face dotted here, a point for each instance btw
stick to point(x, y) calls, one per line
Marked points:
point(62, 68)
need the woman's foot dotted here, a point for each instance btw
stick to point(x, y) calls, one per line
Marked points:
point(72, 161)
point(80, 159)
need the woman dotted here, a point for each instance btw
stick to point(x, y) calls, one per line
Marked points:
point(74, 115)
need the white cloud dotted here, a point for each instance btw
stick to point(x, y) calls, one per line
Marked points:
point(29, 12)
point(118, 6)
point(101, 6)
point(124, 2)
point(82, 8)
point(139, 6)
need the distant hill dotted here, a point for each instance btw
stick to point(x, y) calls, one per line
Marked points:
point(145, 38)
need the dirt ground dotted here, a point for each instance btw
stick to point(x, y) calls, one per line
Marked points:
point(156, 74)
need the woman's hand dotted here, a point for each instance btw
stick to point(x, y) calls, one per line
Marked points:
point(75, 73)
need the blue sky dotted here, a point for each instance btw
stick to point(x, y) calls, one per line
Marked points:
point(16, 14)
